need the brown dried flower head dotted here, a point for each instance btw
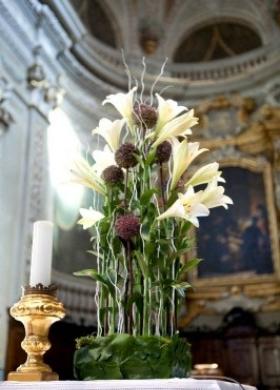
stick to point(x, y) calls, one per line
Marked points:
point(112, 175)
point(145, 115)
point(125, 156)
point(127, 226)
point(163, 152)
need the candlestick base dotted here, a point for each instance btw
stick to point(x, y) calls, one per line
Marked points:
point(37, 309)
point(32, 376)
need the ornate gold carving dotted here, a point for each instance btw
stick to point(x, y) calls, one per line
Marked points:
point(258, 134)
point(37, 310)
point(244, 106)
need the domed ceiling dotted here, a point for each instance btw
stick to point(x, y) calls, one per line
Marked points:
point(207, 43)
point(186, 31)
point(97, 19)
point(217, 41)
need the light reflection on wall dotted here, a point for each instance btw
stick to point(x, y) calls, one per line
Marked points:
point(71, 243)
point(64, 145)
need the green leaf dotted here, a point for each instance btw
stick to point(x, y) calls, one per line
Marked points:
point(190, 264)
point(136, 298)
point(150, 248)
point(97, 254)
point(121, 356)
point(179, 285)
point(92, 273)
point(151, 157)
point(185, 227)
point(176, 255)
point(146, 196)
point(142, 264)
point(145, 231)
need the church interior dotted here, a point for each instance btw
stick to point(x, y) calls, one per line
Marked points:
point(59, 59)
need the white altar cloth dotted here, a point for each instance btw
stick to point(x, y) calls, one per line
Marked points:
point(149, 384)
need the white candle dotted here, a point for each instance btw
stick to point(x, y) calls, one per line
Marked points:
point(41, 256)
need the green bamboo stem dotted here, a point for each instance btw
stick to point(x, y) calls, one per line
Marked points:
point(138, 330)
point(130, 286)
point(176, 300)
point(106, 315)
point(175, 312)
point(172, 298)
point(99, 323)
point(126, 187)
point(112, 303)
point(162, 186)
point(112, 317)
point(125, 304)
point(146, 329)
point(151, 309)
point(102, 301)
point(163, 318)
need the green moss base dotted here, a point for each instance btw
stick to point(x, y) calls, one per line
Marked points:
point(122, 356)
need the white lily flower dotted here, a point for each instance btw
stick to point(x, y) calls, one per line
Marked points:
point(167, 110)
point(84, 174)
point(206, 174)
point(123, 102)
point(213, 196)
point(103, 159)
point(179, 126)
point(110, 131)
point(89, 217)
point(183, 153)
point(188, 206)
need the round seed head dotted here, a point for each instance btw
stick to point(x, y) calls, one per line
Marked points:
point(145, 115)
point(112, 175)
point(127, 226)
point(125, 156)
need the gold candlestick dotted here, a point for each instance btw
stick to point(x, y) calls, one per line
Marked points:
point(37, 309)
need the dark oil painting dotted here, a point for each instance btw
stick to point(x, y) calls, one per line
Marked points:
point(237, 240)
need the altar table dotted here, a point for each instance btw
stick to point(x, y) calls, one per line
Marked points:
point(149, 384)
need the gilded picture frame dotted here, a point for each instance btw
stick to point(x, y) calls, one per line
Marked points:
point(241, 275)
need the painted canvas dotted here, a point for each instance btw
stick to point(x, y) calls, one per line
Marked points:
point(237, 241)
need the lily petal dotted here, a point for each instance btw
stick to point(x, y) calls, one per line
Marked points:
point(89, 217)
point(167, 110)
point(206, 174)
point(110, 131)
point(176, 210)
point(183, 155)
point(179, 126)
point(123, 102)
point(103, 159)
point(213, 196)
point(84, 174)
point(187, 207)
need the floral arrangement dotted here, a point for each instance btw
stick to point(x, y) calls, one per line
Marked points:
point(150, 201)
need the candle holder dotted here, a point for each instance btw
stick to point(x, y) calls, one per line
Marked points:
point(37, 309)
